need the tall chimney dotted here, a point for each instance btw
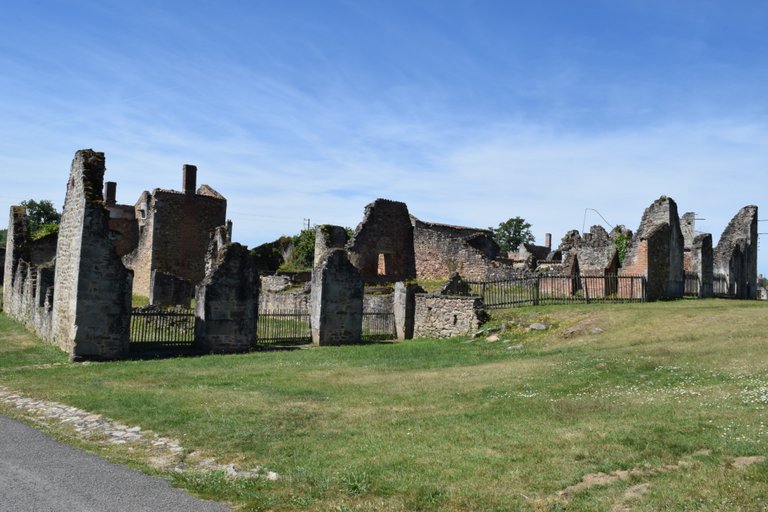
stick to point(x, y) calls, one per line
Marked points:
point(190, 179)
point(548, 241)
point(110, 193)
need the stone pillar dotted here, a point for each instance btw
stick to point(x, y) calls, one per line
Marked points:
point(14, 249)
point(702, 263)
point(405, 308)
point(92, 288)
point(227, 300)
point(336, 301)
point(328, 237)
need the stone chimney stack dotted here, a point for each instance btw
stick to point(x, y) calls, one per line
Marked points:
point(548, 241)
point(190, 179)
point(110, 193)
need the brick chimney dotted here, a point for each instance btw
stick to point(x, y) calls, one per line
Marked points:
point(189, 182)
point(110, 193)
point(548, 241)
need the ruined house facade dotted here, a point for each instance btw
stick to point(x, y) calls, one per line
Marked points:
point(174, 228)
point(656, 251)
point(382, 245)
point(735, 257)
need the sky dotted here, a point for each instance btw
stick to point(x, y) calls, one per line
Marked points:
point(469, 111)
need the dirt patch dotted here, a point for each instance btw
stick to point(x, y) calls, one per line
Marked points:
point(743, 462)
point(631, 494)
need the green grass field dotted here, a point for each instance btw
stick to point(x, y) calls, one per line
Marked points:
point(660, 397)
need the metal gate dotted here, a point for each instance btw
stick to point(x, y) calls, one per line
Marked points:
point(162, 329)
point(283, 327)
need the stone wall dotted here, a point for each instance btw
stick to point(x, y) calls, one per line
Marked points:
point(382, 245)
point(336, 304)
point(446, 316)
point(227, 299)
point(28, 291)
point(404, 309)
point(442, 250)
point(287, 301)
point(656, 252)
point(92, 288)
point(174, 232)
point(328, 237)
point(701, 263)
point(735, 256)
point(169, 290)
point(597, 253)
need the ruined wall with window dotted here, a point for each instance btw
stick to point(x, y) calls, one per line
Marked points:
point(382, 245)
point(174, 231)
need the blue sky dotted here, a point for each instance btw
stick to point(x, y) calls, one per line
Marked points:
point(471, 112)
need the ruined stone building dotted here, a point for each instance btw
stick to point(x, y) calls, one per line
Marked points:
point(70, 287)
point(382, 245)
point(735, 257)
point(442, 250)
point(174, 229)
point(123, 227)
point(697, 257)
point(656, 251)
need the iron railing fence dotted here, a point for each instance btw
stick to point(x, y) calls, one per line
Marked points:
point(378, 326)
point(154, 328)
point(692, 284)
point(553, 289)
point(720, 286)
point(283, 327)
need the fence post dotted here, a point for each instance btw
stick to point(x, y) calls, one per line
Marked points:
point(585, 284)
point(536, 291)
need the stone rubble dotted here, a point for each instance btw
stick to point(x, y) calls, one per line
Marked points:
point(169, 455)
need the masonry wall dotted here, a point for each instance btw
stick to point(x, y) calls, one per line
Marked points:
point(441, 250)
point(92, 288)
point(226, 305)
point(701, 262)
point(735, 256)
point(28, 289)
point(382, 245)
point(659, 260)
point(445, 316)
point(123, 228)
point(174, 232)
point(336, 303)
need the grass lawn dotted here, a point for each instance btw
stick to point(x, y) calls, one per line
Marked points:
point(659, 397)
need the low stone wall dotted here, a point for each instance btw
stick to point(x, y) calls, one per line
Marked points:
point(446, 316)
point(285, 301)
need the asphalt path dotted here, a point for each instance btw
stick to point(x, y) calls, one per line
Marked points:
point(38, 474)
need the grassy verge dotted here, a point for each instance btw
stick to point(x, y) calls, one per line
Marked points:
point(662, 396)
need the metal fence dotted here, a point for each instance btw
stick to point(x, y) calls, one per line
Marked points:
point(154, 328)
point(378, 326)
point(692, 284)
point(278, 327)
point(720, 286)
point(548, 289)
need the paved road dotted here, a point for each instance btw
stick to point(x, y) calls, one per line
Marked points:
point(38, 474)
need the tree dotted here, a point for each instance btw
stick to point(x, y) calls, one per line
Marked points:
point(511, 233)
point(42, 218)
